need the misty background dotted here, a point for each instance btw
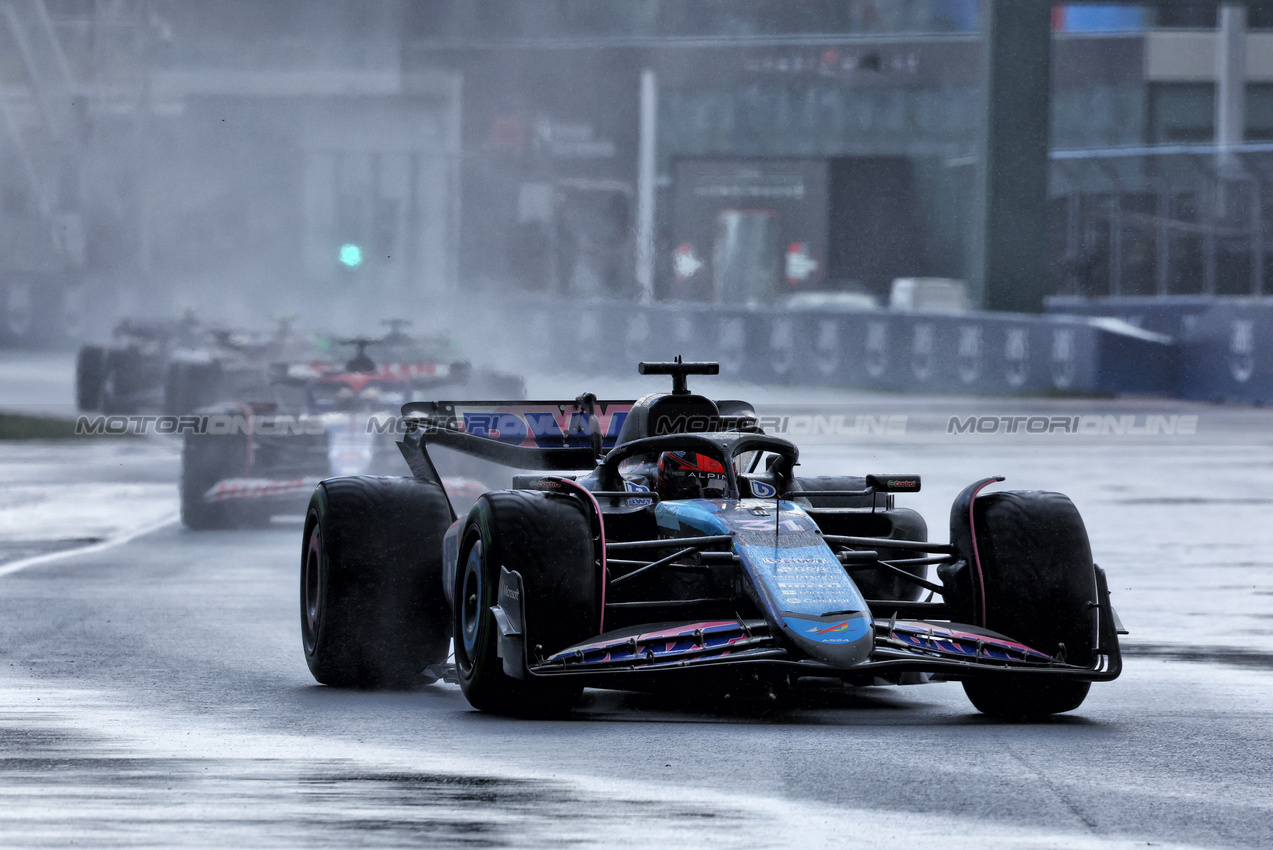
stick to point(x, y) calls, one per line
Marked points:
point(343, 162)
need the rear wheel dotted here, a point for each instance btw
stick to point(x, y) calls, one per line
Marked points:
point(1039, 588)
point(206, 460)
point(123, 380)
point(905, 524)
point(373, 614)
point(547, 539)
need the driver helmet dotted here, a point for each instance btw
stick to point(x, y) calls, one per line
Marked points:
point(690, 475)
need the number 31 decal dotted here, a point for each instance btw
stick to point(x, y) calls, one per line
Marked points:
point(767, 525)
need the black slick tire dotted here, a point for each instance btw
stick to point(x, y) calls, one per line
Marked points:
point(1019, 699)
point(547, 539)
point(1039, 589)
point(373, 612)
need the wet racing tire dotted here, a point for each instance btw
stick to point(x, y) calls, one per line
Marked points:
point(1020, 699)
point(90, 376)
point(1039, 589)
point(547, 539)
point(373, 611)
point(123, 380)
point(207, 459)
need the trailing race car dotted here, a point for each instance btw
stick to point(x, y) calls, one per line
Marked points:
point(128, 375)
point(174, 367)
point(250, 459)
point(668, 543)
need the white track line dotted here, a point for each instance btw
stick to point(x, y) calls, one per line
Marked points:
point(36, 560)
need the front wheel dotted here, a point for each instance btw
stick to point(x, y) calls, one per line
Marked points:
point(1027, 573)
point(373, 613)
point(1021, 698)
point(545, 538)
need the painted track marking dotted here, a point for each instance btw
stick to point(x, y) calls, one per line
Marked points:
point(49, 557)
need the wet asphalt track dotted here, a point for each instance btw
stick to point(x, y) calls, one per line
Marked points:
point(155, 692)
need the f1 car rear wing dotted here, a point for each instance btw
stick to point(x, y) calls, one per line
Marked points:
point(539, 435)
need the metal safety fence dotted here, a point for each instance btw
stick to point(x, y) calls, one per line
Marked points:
point(1163, 220)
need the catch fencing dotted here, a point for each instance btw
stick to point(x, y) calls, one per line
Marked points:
point(1163, 220)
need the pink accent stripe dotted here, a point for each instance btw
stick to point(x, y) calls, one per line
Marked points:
point(678, 632)
point(601, 526)
point(976, 555)
point(941, 631)
point(686, 630)
point(247, 488)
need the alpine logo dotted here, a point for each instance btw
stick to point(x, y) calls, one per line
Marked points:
point(1242, 350)
point(826, 347)
point(761, 490)
point(1063, 358)
point(876, 349)
point(968, 355)
point(923, 339)
point(782, 346)
point(1016, 352)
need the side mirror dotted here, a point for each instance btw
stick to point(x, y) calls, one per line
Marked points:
point(893, 483)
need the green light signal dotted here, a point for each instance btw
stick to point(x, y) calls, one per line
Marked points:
point(350, 255)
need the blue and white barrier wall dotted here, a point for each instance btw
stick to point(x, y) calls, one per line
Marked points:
point(1224, 345)
point(978, 353)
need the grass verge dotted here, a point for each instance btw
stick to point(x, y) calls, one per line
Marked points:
point(20, 426)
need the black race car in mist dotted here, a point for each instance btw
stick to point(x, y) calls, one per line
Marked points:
point(668, 544)
point(176, 366)
point(251, 458)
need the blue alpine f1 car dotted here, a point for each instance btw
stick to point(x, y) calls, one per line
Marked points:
point(668, 543)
